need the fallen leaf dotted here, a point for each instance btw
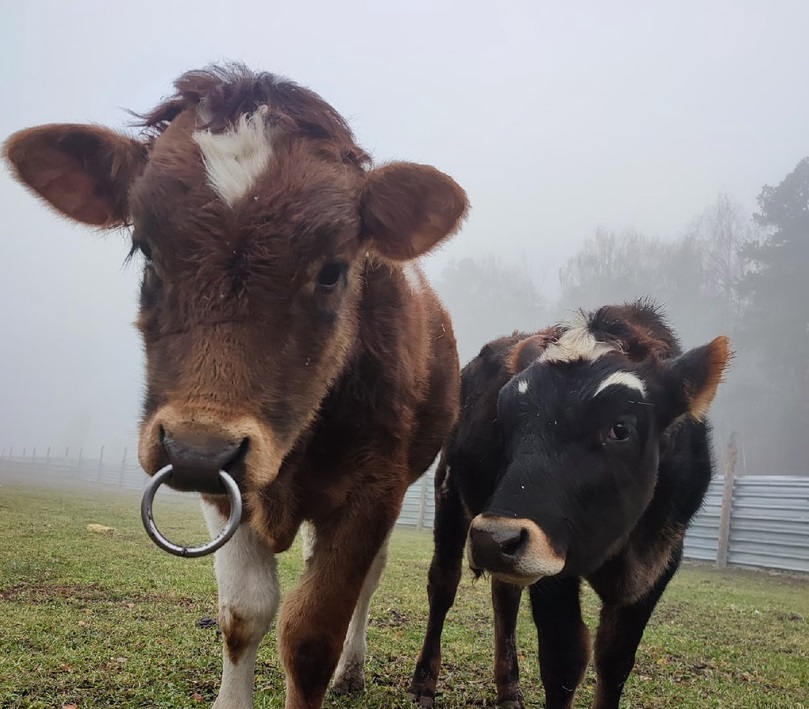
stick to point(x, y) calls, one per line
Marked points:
point(197, 697)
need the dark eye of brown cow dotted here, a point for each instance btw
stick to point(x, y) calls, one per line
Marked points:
point(330, 275)
point(142, 246)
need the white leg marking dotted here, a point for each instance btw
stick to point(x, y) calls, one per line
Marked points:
point(308, 538)
point(626, 379)
point(236, 158)
point(350, 673)
point(522, 386)
point(248, 599)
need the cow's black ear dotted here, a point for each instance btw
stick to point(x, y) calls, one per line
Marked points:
point(693, 378)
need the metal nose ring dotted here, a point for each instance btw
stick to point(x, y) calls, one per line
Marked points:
point(147, 516)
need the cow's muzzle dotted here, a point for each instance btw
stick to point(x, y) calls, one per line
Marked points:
point(512, 550)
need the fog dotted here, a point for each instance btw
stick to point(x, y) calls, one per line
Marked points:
point(586, 135)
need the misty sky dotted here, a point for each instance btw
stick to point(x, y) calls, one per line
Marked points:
point(555, 118)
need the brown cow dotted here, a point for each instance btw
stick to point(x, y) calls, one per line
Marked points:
point(290, 339)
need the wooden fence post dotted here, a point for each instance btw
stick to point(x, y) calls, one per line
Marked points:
point(731, 458)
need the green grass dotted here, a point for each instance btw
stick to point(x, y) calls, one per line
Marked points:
point(111, 621)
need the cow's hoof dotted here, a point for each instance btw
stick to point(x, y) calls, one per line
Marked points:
point(422, 700)
point(349, 679)
point(511, 704)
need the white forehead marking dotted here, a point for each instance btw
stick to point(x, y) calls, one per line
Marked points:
point(576, 343)
point(235, 159)
point(522, 386)
point(626, 379)
point(412, 274)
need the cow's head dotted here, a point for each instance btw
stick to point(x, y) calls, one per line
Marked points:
point(582, 427)
point(256, 215)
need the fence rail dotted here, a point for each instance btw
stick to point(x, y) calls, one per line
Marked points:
point(766, 517)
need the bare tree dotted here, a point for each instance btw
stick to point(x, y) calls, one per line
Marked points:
point(721, 231)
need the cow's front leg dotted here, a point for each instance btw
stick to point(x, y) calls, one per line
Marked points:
point(620, 630)
point(314, 618)
point(248, 600)
point(506, 604)
point(449, 537)
point(564, 642)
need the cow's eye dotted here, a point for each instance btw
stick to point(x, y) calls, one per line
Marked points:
point(330, 275)
point(621, 430)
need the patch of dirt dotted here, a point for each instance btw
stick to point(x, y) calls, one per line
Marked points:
point(794, 617)
point(36, 594)
point(389, 618)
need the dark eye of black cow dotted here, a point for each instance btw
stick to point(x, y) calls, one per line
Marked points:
point(330, 275)
point(621, 430)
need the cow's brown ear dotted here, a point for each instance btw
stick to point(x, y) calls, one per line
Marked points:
point(83, 171)
point(407, 209)
point(529, 350)
point(696, 376)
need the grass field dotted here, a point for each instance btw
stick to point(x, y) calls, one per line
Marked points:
point(111, 621)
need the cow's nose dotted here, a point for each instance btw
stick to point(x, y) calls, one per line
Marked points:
point(515, 550)
point(496, 549)
point(197, 458)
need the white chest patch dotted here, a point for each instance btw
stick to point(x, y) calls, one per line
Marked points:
point(625, 379)
point(577, 343)
point(412, 274)
point(235, 159)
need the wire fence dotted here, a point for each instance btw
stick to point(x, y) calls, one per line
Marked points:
point(757, 521)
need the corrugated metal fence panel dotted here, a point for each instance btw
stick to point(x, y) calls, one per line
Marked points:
point(418, 507)
point(770, 523)
point(429, 504)
point(411, 505)
point(702, 538)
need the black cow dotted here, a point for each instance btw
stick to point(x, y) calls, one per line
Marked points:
point(581, 451)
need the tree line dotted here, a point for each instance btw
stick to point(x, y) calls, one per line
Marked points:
point(728, 273)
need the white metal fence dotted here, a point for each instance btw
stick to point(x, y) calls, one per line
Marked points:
point(768, 521)
point(769, 524)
